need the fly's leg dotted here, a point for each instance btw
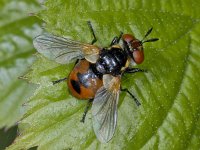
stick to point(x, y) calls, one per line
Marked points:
point(63, 79)
point(92, 31)
point(116, 39)
point(76, 62)
point(58, 81)
point(86, 110)
point(134, 70)
point(135, 99)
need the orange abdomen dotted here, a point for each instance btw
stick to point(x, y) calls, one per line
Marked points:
point(83, 83)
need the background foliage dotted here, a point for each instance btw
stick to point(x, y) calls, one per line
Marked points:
point(169, 115)
point(17, 29)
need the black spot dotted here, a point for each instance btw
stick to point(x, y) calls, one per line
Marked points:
point(76, 86)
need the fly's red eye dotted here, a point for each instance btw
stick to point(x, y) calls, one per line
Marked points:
point(128, 37)
point(138, 56)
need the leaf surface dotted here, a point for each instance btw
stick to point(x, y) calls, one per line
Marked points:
point(17, 29)
point(169, 115)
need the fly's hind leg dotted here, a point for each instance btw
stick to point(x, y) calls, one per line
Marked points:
point(86, 110)
point(92, 31)
point(116, 39)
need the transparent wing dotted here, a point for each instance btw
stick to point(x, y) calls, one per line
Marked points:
point(104, 110)
point(64, 50)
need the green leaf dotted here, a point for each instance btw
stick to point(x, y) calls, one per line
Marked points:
point(7, 136)
point(17, 29)
point(169, 115)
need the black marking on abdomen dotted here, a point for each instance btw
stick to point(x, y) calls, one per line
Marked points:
point(76, 86)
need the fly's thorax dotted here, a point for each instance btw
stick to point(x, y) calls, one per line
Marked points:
point(111, 60)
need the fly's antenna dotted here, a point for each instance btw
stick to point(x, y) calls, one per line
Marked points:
point(149, 40)
point(148, 32)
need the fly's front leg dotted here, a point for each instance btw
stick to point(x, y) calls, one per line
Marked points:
point(134, 70)
point(116, 39)
point(92, 31)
